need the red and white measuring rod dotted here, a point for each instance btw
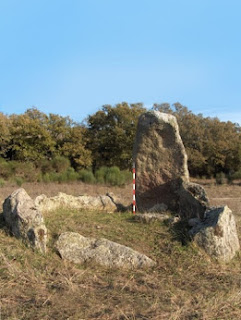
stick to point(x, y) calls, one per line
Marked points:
point(134, 188)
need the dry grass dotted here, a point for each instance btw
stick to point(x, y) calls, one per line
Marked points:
point(185, 285)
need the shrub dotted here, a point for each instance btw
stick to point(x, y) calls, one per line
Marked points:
point(2, 183)
point(127, 176)
point(114, 177)
point(69, 175)
point(60, 164)
point(6, 170)
point(221, 178)
point(25, 170)
point(45, 166)
point(86, 176)
point(236, 175)
point(19, 181)
point(100, 175)
point(46, 178)
point(72, 175)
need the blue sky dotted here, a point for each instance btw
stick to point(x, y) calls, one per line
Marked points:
point(71, 56)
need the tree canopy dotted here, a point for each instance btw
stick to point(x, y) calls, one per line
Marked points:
point(106, 138)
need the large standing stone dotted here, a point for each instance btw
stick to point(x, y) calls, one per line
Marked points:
point(78, 249)
point(217, 234)
point(25, 220)
point(162, 176)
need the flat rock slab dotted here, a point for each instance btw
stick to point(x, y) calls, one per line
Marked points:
point(25, 220)
point(217, 234)
point(100, 203)
point(78, 249)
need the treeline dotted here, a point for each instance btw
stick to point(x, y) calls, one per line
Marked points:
point(35, 146)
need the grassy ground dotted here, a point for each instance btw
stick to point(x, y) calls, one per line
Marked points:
point(185, 284)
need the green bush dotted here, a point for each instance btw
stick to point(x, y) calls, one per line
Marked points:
point(46, 178)
point(19, 181)
point(86, 176)
point(114, 177)
point(25, 170)
point(221, 178)
point(2, 183)
point(60, 164)
point(100, 175)
point(69, 175)
point(236, 175)
point(6, 170)
point(72, 175)
point(45, 166)
point(127, 176)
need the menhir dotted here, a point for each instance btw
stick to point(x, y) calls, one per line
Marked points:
point(162, 175)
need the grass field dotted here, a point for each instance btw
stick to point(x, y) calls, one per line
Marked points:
point(185, 284)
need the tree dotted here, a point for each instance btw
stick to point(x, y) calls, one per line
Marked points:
point(74, 147)
point(111, 133)
point(4, 135)
point(30, 138)
point(212, 146)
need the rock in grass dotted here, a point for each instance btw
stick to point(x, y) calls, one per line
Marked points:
point(100, 203)
point(24, 219)
point(217, 234)
point(78, 249)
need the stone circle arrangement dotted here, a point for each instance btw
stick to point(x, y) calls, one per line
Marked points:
point(162, 186)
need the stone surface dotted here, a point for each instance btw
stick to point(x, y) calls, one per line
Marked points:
point(162, 175)
point(78, 249)
point(25, 220)
point(158, 208)
point(151, 217)
point(100, 203)
point(117, 202)
point(217, 234)
point(192, 200)
point(160, 160)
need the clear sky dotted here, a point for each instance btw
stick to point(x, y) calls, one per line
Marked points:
point(72, 56)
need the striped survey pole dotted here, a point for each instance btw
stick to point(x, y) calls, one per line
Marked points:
point(134, 188)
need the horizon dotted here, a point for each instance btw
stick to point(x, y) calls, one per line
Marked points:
point(71, 58)
point(148, 107)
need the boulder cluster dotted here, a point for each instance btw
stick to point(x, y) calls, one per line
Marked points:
point(24, 219)
point(162, 186)
point(162, 181)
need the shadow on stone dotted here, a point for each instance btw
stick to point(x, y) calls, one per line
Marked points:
point(180, 231)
